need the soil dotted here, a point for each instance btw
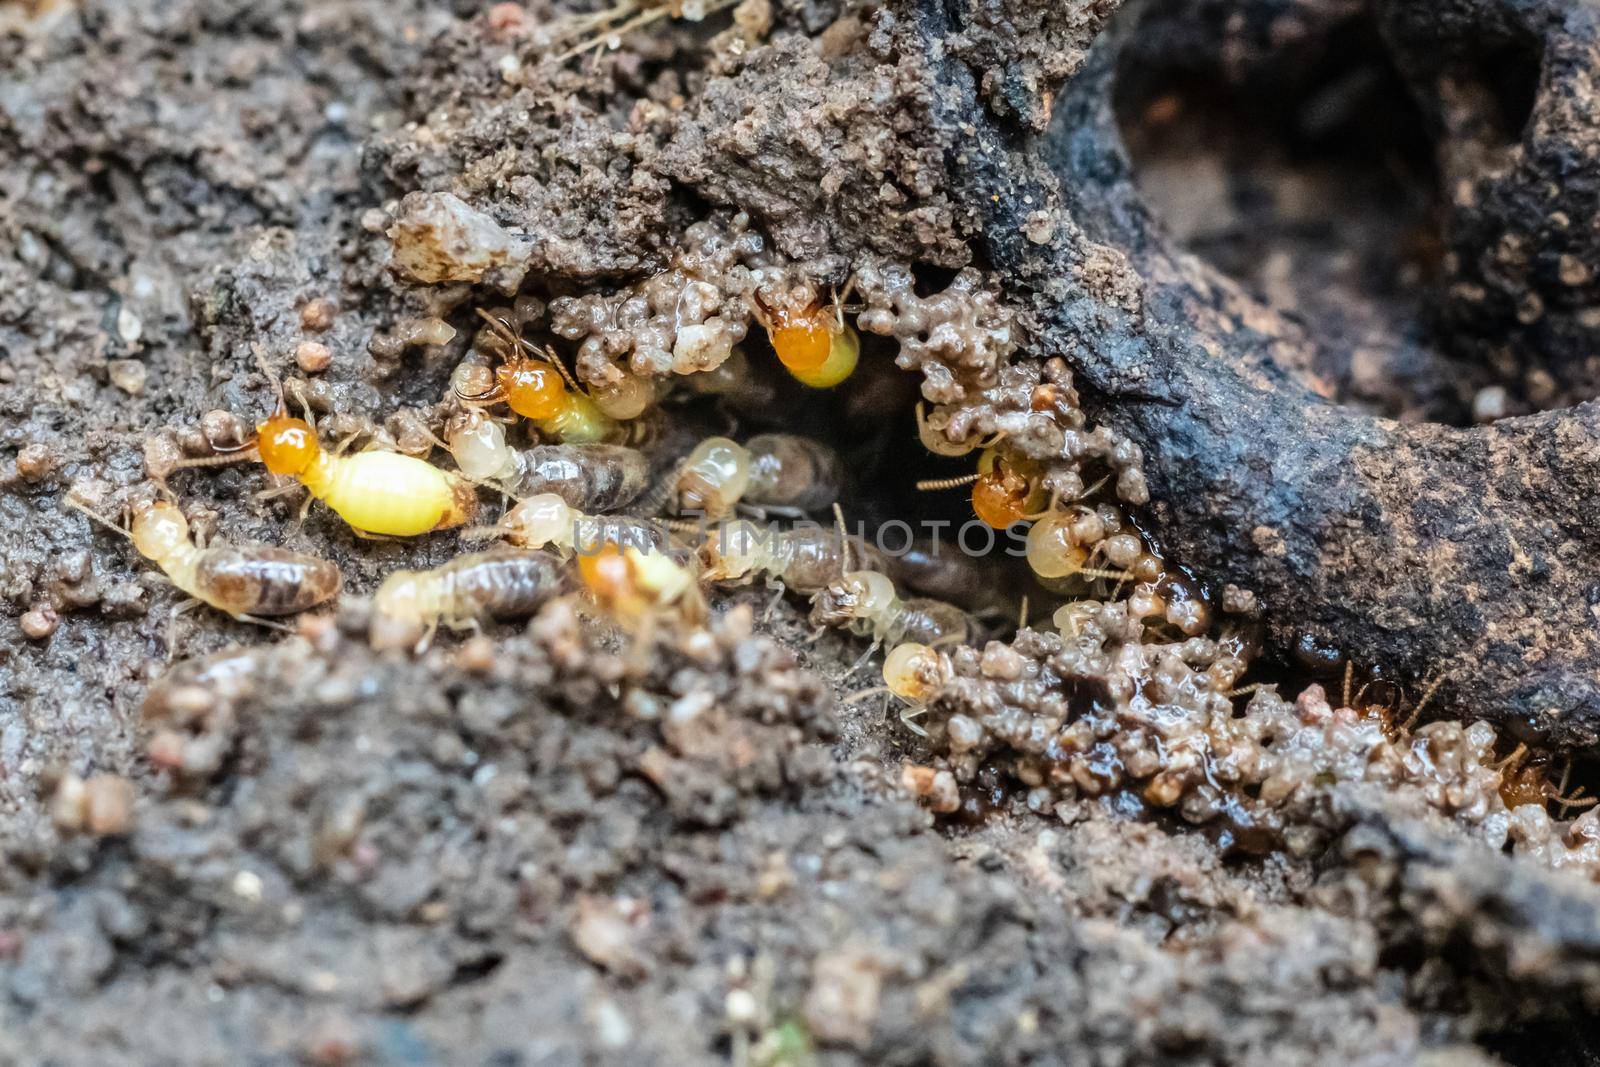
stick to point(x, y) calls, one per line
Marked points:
point(562, 843)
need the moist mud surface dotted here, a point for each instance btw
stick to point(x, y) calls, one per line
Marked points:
point(561, 842)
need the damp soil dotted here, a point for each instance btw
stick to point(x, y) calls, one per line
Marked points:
point(487, 855)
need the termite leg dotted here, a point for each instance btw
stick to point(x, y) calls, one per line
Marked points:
point(365, 536)
point(182, 607)
point(911, 711)
point(239, 616)
point(424, 642)
point(861, 660)
point(778, 588)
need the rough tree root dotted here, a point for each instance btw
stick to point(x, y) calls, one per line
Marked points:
point(1470, 553)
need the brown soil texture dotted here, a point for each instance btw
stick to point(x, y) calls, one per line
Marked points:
point(564, 846)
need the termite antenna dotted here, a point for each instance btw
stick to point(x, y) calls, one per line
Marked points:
point(271, 375)
point(1022, 613)
point(501, 327)
point(1514, 760)
point(840, 298)
point(77, 504)
point(236, 454)
point(1349, 676)
point(482, 533)
point(1093, 489)
point(1427, 695)
point(550, 356)
point(929, 485)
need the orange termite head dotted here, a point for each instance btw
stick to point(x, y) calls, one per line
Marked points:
point(287, 445)
point(801, 331)
point(1001, 495)
point(532, 389)
point(608, 576)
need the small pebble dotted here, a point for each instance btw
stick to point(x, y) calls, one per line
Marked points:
point(108, 805)
point(40, 622)
point(129, 327)
point(35, 462)
point(221, 429)
point(102, 806)
point(74, 566)
point(128, 375)
point(333, 1042)
point(476, 655)
point(1491, 403)
point(318, 315)
point(313, 357)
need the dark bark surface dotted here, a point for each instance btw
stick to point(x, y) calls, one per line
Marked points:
point(1462, 553)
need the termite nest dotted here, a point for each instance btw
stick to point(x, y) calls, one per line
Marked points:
point(1105, 712)
point(653, 440)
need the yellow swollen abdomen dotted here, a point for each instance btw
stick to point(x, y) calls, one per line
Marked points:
point(844, 350)
point(394, 494)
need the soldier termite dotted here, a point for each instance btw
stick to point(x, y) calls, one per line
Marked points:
point(637, 588)
point(376, 492)
point(812, 341)
point(536, 386)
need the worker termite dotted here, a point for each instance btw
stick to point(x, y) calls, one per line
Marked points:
point(546, 520)
point(804, 559)
point(592, 477)
point(248, 582)
point(776, 472)
point(464, 593)
point(1058, 545)
point(912, 671)
point(866, 603)
point(813, 342)
point(536, 386)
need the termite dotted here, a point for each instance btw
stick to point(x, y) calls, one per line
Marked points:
point(636, 587)
point(537, 386)
point(912, 671)
point(592, 477)
point(1004, 491)
point(375, 492)
point(546, 520)
point(866, 603)
point(804, 559)
point(464, 593)
point(813, 342)
point(248, 582)
point(1058, 545)
point(776, 472)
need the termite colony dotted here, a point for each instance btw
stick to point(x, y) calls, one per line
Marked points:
point(640, 445)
